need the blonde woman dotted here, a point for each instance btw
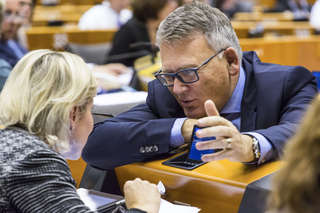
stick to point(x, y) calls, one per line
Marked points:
point(296, 186)
point(45, 117)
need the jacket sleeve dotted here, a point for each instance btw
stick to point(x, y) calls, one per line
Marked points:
point(136, 135)
point(42, 182)
point(298, 90)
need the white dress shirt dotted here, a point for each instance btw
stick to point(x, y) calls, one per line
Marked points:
point(102, 16)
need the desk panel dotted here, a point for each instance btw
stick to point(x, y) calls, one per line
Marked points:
point(77, 168)
point(216, 186)
point(65, 13)
point(48, 37)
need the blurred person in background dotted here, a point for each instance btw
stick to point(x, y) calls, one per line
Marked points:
point(299, 8)
point(26, 10)
point(141, 28)
point(110, 14)
point(315, 15)
point(5, 67)
point(296, 187)
point(10, 49)
point(17, 18)
point(230, 7)
point(45, 118)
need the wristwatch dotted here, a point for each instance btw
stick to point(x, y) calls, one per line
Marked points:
point(255, 148)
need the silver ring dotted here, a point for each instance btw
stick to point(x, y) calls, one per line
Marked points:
point(228, 144)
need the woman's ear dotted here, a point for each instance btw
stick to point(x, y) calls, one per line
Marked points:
point(73, 117)
point(232, 59)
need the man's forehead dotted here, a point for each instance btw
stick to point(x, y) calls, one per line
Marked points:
point(185, 54)
point(176, 62)
point(12, 4)
point(23, 2)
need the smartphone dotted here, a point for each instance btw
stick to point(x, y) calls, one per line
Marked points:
point(195, 154)
point(191, 159)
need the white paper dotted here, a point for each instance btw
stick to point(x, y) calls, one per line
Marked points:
point(123, 79)
point(94, 201)
point(115, 103)
point(167, 207)
point(161, 188)
point(118, 98)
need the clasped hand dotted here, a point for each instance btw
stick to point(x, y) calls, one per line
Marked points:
point(234, 146)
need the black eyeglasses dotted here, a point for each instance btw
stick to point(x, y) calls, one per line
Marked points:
point(187, 76)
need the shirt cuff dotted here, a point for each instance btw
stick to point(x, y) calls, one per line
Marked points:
point(176, 136)
point(265, 146)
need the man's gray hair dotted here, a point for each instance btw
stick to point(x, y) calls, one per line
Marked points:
point(198, 17)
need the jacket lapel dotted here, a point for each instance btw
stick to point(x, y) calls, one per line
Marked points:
point(249, 100)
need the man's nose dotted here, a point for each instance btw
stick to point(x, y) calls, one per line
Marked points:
point(178, 86)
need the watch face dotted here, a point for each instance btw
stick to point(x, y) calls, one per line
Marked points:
point(255, 148)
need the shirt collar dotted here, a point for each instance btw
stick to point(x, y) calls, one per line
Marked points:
point(234, 103)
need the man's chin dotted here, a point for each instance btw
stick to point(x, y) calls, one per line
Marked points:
point(194, 114)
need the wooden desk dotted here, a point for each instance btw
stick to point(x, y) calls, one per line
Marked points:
point(293, 50)
point(260, 16)
point(46, 37)
point(65, 13)
point(272, 3)
point(242, 29)
point(214, 187)
point(77, 168)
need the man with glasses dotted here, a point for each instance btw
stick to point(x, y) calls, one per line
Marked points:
point(10, 49)
point(250, 107)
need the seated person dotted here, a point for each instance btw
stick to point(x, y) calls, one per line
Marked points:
point(231, 7)
point(45, 118)
point(251, 107)
point(110, 14)
point(26, 11)
point(15, 14)
point(5, 68)
point(296, 186)
point(299, 8)
point(10, 49)
point(147, 14)
point(315, 15)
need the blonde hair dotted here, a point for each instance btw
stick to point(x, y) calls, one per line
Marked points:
point(296, 186)
point(41, 91)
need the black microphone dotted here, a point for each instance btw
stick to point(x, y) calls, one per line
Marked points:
point(153, 49)
point(148, 48)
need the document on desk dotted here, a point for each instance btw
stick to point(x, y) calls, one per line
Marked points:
point(93, 201)
point(121, 80)
point(115, 103)
point(167, 207)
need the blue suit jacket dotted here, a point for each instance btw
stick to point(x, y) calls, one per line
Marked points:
point(5, 70)
point(8, 54)
point(273, 102)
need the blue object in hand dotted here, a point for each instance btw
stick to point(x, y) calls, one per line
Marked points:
point(195, 154)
